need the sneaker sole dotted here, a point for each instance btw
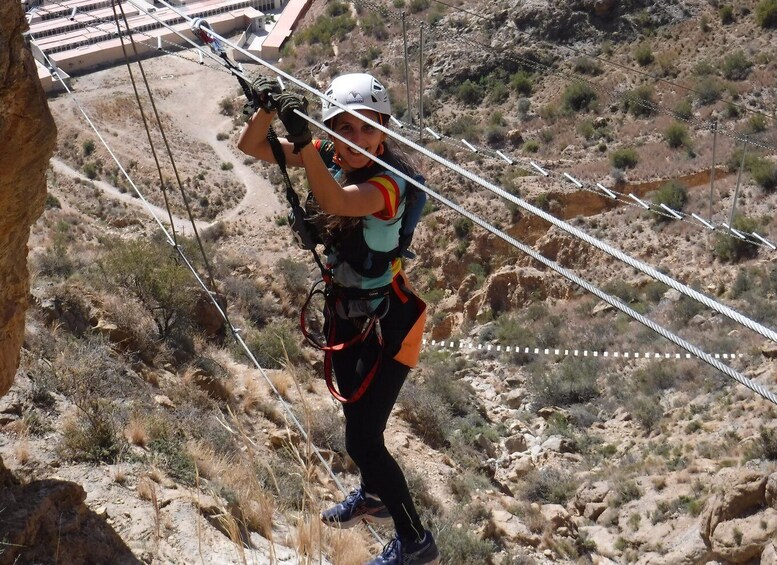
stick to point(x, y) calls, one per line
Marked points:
point(354, 521)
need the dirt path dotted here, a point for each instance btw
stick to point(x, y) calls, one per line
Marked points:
point(181, 224)
point(195, 112)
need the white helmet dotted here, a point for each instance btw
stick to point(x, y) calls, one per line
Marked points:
point(357, 91)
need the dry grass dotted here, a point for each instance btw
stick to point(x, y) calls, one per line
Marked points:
point(22, 450)
point(282, 382)
point(209, 464)
point(119, 476)
point(346, 547)
point(135, 432)
point(146, 488)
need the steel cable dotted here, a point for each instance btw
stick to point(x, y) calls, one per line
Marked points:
point(610, 250)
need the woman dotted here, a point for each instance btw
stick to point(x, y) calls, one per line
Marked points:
point(361, 205)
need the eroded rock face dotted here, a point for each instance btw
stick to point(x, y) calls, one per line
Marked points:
point(27, 137)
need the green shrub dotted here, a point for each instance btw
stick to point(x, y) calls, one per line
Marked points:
point(572, 381)
point(684, 109)
point(221, 136)
point(736, 66)
point(294, 273)
point(639, 102)
point(549, 485)
point(462, 545)
point(757, 123)
point(94, 435)
point(708, 90)
point(624, 158)
point(586, 66)
point(704, 68)
point(416, 6)
point(730, 248)
point(676, 135)
point(673, 194)
point(271, 344)
point(531, 146)
point(521, 83)
point(374, 25)
point(726, 13)
point(426, 413)
point(470, 93)
point(90, 170)
point(88, 147)
point(462, 227)
point(148, 271)
point(335, 9)
point(523, 107)
point(578, 97)
point(646, 410)
point(325, 30)
point(763, 172)
point(643, 54)
point(227, 166)
point(766, 13)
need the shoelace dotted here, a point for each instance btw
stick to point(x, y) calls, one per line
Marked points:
point(354, 496)
point(392, 550)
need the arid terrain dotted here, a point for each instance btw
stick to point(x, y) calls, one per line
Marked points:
point(131, 386)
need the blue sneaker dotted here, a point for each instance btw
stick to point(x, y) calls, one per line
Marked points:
point(357, 507)
point(397, 552)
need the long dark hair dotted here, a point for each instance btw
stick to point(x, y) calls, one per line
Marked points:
point(331, 227)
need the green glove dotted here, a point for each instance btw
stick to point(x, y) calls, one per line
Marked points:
point(265, 90)
point(297, 128)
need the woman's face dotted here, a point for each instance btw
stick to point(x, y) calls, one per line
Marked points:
point(359, 133)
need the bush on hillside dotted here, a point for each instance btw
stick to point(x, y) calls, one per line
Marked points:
point(731, 249)
point(766, 13)
point(643, 54)
point(521, 83)
point(573, 381)
point(624, 158)
point(587, 66)
point(708, 90)
point(673, 194)
point(676, 135)
point(578, 97)
point(274, 342)
point(684, 109)
point(726, 14)
point(736, 66)
point(639, 102)
point(470, 93)
point(147, 271)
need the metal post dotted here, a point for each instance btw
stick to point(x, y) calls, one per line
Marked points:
point(407, 70)
point(712, 173)
point(736, 192)
point(421, 89)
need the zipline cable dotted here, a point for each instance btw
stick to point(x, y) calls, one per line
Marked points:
point(610, 250)
point(566, 273)
point(164, 139)
point(235, 331)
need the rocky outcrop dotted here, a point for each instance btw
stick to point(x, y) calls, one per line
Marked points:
point(28, 130)
point(47, 521)
point(739, 522)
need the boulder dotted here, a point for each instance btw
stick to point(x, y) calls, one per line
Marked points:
point(26, 126)
point(744, 491)
point(509, 526)
point(769, 350)
point(743, 539)
point(516, 444)
point(47, 518)
point(592, 495)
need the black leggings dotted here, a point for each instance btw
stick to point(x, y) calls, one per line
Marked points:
point(365, 419)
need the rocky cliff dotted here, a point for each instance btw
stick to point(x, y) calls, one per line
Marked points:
point(28, 135)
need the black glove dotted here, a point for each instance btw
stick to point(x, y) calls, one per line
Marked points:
point(264, 91)
point(298, 131)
